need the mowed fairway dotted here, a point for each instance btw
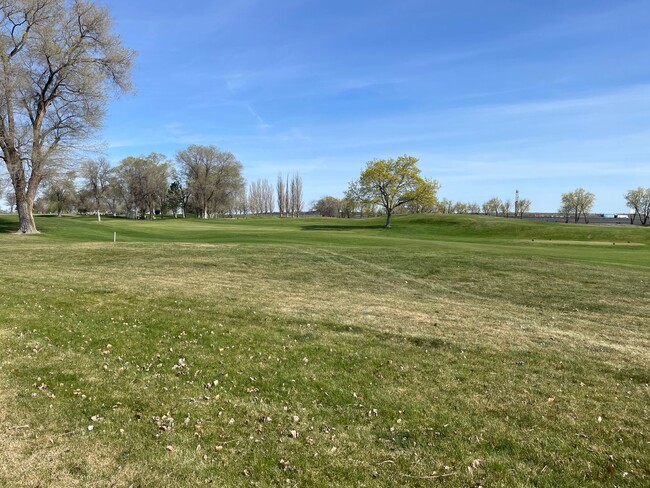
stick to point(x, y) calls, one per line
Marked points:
point(446, 351)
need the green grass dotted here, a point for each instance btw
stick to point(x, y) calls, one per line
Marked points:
point(448, 350)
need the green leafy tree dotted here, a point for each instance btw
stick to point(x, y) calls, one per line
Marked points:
point(60, 194)
point(492, 206)
point(328, 206)
point(143, 182)
point(393, 183)
point(577, 203)
point(523, 206)
point(175, 198)
point(639, 201)
point(212, 178)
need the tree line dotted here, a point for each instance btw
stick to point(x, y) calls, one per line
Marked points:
point(398, 181)
point(202, 180)
point(59, 64)
point(389, 186)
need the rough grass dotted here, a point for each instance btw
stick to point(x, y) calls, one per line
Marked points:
point(455, 351)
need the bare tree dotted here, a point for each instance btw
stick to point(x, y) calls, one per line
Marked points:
point(296, 201)
point(268, 199)
point(261, 197)
point(255, 198)
point(10, 198)
point(241, 201)
point(288, 204)
point(58, 60)
point(96, 175)
point(282, 196)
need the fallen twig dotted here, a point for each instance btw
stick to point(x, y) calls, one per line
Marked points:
point(432, 477)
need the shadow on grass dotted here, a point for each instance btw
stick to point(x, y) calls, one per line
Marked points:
point(8, 226)
point(417, 341)
point(340, 227)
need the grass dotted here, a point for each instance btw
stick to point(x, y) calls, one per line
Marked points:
point(448, 350)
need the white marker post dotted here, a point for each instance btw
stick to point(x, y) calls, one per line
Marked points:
point(114, 236)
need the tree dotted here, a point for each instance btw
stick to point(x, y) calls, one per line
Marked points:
point(282, 195)
point(492, 206)
point(393, 183)
point(639, 201)
point(444, 206)
point(353, 200)
point(504, 207)
point(178, 194)
point(213, 177)
point(295, 199)
point(10, 198)
point(328, 206)
point(567, 206)
point(96, 175)
point(156, 184)
point(261, 197)
point(113, 196)
point(175, 198)
point(577, 203)
point(473, 208)
point(241, 201)
point(60, 193)
point(461, 208)
point(142, 181)
point(58, 60)
point(524, 207)
point(426, 202)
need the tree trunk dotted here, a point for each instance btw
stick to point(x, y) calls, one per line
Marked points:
point(388, 216)
point(25, 215)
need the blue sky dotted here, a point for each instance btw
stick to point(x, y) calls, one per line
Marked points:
point(490, 96)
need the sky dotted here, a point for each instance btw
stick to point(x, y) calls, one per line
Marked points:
point(492, 97)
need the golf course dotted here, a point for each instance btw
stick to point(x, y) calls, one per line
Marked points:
point(448, 350)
